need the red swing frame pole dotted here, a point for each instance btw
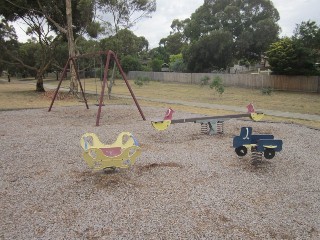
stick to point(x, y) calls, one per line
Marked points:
point(78, 78)
point(127, 83)
point(60, 81)
point(105, 78)
point(61, 78)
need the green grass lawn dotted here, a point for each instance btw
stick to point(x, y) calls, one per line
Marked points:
point(308, 103)
point(21, 94)
point(282, 101)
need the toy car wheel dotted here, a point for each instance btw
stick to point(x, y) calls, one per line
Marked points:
point(241, 151)
point(269, 153)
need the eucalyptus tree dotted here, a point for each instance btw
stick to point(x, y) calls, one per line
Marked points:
point(126, 42)
point(211, 52)
point(309, 33)
point(176, 40)
point(299, 54)
point(173, 43)
point(42, 47)
point(159, 53)
point(124, 15)
point(289, 57)
point(8, 41)
point(252, 24)
point(65, 17)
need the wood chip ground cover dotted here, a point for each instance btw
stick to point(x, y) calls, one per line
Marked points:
point(185, 185)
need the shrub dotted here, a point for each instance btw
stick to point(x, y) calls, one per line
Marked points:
point(145, 80)
point(141, 80)
point(204, 81)
point(266, 91)
point(217, 85)
point(130, 63)
point(176, 63)
point(156, 65)
point(178, 66)
point(138, 82)
point(146, 68)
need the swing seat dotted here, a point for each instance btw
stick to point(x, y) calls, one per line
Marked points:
point(120, 154)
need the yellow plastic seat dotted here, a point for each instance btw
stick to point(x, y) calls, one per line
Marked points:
point(120, 154)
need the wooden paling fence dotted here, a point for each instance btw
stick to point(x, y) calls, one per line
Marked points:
point(276, 82)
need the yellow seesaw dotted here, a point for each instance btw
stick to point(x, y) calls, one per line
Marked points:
point(121, 154)
point(210, 125)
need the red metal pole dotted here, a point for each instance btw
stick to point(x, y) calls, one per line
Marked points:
point(105, 81)
point(127, 83)
point(78, 79)
point(61, 78)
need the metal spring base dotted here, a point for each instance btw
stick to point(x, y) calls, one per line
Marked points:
point(220, 127)
point(212, 128)
point(204, 128)
point(256, 157)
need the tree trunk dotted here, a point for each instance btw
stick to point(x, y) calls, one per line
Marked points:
point(71, 47)
point(39, 86)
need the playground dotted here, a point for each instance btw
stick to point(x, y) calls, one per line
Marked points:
point(185, 185)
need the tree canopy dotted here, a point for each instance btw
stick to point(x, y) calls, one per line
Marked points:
point(218, 34)
point(237, 30)
point(125, 42)
point(126, 13)
point(64, 17)
point(54, 12)
point(210, 52)
point(299, 54)
point(252, 24)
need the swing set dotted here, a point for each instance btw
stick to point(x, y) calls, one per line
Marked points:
point(83, 71)
point(110, 55)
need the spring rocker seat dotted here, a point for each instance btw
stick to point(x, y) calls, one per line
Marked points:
point(120, 154)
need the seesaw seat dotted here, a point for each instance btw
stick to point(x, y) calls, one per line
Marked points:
point(120, 154)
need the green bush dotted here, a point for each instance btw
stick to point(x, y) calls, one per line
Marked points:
point(138, 82)
point(204, 81)
point(141, 80)
point(145, 80)
point(217, 85)
point(266, 91)
point(146, 68)
point(130, 63)
point(156, 65)
point(178, 66)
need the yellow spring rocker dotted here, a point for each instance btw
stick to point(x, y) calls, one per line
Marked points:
point(121, 154)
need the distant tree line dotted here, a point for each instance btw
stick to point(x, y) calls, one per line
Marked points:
point(298, 55)
point(52, 25)
point(217, 35)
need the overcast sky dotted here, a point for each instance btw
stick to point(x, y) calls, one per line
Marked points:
point(153, 29)
point(291, 12)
